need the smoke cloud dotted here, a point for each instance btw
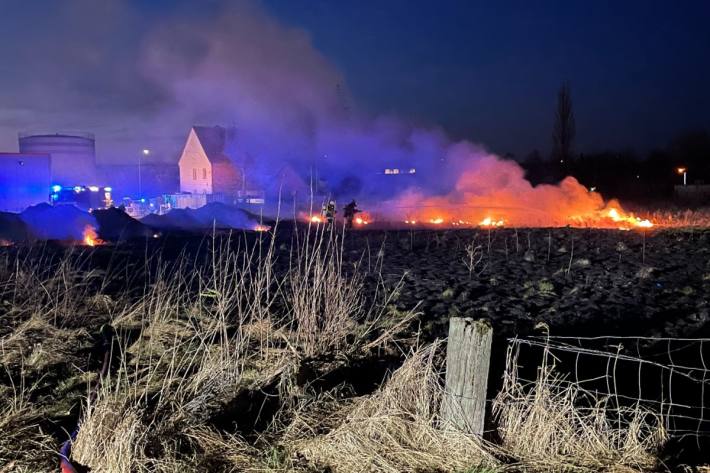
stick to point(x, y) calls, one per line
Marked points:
point(291, 107)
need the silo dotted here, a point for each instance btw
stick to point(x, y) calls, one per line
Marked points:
point(73, 155)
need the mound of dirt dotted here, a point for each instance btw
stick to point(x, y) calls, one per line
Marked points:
point(214, 215)
point(12, 228)
point(63, 222)
point(117, 225)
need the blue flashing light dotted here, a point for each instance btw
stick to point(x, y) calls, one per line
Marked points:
point(143, 201)
point(107, 189)
point(56, 188)
point(78, 189)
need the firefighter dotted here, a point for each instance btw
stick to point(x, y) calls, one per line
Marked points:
point(328, 211)
point(349, 212)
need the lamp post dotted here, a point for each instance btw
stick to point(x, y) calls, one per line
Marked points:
point(684, 172)
point(145, 152)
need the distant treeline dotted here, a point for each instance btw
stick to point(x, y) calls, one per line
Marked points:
point(626, 174)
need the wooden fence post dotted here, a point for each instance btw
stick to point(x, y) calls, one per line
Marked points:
point(468, 357)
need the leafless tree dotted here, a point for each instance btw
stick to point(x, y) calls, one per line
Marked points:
point(563, 136)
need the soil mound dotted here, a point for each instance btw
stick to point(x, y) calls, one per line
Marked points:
point(214, 215)
point(12, 228)
point(117, 225)
point(63, 222)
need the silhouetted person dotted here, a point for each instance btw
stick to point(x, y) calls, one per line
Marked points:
point(349, 212)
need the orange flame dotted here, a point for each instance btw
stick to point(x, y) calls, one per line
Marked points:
point(90, 237)
point(261, 228)
point(363, 219)
point(616, 216)
point(492, 190)
point(489, 222)
point(316, 219)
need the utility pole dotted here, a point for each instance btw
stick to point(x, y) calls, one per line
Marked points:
point(146, 152)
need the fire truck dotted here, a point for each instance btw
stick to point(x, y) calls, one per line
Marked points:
point(84, 197)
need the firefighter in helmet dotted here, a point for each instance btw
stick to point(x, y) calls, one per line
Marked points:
point(328, 211)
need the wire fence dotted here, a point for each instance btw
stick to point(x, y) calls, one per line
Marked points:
point(667, 376)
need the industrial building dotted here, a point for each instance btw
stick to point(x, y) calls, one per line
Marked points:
point(25, 180)
point(73, 155)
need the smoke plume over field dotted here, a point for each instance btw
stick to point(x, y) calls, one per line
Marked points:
point(238, 66)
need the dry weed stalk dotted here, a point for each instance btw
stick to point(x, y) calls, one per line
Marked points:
point(323, 302)
point(474, 256)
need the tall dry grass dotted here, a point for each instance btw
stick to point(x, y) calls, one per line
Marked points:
point(196, 334)
point(552, 425)
point(397, 429)
point(207, 336)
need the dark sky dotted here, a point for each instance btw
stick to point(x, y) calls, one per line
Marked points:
point(484, 71)
point(488, 71)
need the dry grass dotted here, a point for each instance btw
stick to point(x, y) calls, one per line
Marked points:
point(201, 334)
point(198, 351)
point(554, 426)
point(22, 439)
point(395, 429)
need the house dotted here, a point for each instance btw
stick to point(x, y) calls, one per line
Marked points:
point(205, 167)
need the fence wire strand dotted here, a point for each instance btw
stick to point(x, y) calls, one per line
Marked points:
point(665, 375)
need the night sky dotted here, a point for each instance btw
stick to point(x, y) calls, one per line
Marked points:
point(487, 72)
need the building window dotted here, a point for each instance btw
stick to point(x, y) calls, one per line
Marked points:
point(204, 173)
point(412, 171)
point(194, 174)
point(395, 171)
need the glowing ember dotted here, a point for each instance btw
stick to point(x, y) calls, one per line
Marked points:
point(316, 219)
point(262, 228)
point(90, 237)
point(489, 222)
point(363, 219)
point(436, 221)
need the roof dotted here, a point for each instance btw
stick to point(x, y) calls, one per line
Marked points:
point(214, 140)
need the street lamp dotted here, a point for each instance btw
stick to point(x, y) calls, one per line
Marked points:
point(146, 152)
point(684, 172)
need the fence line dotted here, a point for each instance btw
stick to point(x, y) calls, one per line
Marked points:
point(667, 376)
